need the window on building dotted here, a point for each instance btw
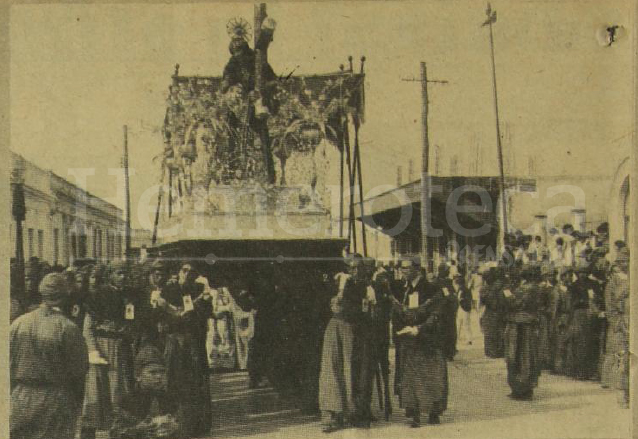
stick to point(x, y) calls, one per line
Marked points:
point(110, 245)
point(82, 246)
point(56, 246)
point(119, 245)
point(99, 244)
point(94, 243)
point(41, 244)
point(30, 239)
point(74, 245)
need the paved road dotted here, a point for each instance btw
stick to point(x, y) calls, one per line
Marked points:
point(478, 407)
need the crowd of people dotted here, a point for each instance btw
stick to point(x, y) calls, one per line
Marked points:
point(121, 348)
point(572, 304)
point(560, 306)
point(129, 347)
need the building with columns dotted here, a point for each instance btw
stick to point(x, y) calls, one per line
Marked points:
point(64, 222)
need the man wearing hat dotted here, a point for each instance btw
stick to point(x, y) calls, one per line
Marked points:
point(148, 412)
point(420, 326)
point(48, 364)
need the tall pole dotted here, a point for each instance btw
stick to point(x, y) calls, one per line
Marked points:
point(19, 215)
point(358, 168)
point(491, 19)
point(159, 203)
point(341, 189)
point(352, 229)
point(425, 153)
point(127, 199)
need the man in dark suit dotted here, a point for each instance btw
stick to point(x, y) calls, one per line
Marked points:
point(420, 327)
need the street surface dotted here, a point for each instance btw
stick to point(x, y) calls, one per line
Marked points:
point(478, 407)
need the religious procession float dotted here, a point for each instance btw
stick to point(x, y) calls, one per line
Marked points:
point(248, 197)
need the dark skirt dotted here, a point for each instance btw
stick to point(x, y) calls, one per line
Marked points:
point(492, 326)
point(544, 342)
point(424, 381)
point(188, 381)
point(581, 337)
point(521, 357)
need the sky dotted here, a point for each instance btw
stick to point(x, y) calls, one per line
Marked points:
point(81, 72)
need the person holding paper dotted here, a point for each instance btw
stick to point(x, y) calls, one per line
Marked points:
point(185, 315)
point(421, 329)
point(147, 308)
point(107, 333)
point(521, 333)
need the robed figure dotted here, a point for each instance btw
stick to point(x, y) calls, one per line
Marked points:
point(521, 335)
point(421, 325)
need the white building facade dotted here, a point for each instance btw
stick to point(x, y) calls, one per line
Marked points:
point(64, 222)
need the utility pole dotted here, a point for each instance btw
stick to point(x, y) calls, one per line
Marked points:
point(127, 199)
point(19, 214)
point(491, 19)
point(425, 153)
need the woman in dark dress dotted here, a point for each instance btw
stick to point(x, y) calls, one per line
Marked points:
point(492, 322)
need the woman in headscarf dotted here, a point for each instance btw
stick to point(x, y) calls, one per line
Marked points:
point(110, 375)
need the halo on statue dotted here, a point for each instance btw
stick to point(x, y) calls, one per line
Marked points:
point(239, 28)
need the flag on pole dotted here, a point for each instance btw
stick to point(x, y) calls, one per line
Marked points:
point(491, 16)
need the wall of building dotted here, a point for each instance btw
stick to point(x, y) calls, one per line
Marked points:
point(59, 216)
point(557, 197)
